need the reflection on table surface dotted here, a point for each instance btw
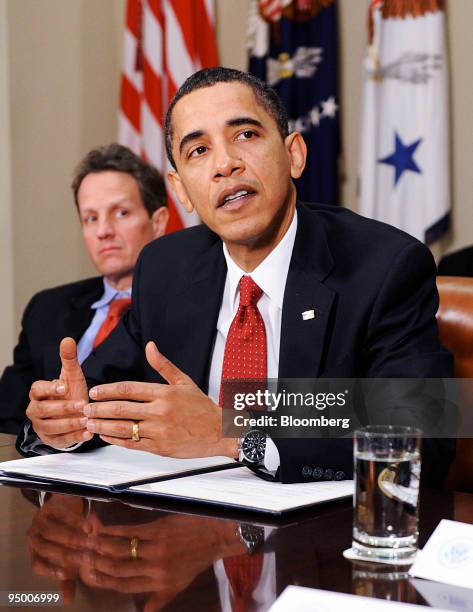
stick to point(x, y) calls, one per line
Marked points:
point(117, 554)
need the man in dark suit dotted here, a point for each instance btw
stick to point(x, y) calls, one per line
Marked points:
point(459, 263)
point(121, 202)
point(293, 291)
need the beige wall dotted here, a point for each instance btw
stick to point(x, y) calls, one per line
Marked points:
point(63, 60)
point(6, 225)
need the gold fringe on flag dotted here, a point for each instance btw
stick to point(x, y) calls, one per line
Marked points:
point(410, 8)
point(403, 9)
point(303, 10)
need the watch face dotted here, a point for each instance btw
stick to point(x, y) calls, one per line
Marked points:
point(253, 446)
point(252, 535)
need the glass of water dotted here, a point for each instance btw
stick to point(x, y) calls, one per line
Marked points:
point(386, 502)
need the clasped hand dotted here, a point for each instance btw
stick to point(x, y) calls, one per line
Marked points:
point(175, 419)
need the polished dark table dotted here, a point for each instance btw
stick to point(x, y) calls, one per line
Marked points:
point(81, 545)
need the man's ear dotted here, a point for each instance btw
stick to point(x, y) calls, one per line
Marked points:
point(160, 219)
point(297, 151)
point(180, 190)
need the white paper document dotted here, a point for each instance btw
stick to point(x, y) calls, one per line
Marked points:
point(106, 467)
point(448, 555)
point(301, 599)
point(439, 595)
point(243, 489)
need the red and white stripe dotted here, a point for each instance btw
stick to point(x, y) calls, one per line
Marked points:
point(165, 41)
point(271, 9)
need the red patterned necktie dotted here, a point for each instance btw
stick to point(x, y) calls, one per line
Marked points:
point(243, 574)
point(245, 357)
point(115, 311)
point(245, 354)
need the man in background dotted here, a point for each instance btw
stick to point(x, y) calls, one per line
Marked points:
point(121, 201)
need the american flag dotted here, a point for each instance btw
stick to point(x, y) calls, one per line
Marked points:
point(165, 41)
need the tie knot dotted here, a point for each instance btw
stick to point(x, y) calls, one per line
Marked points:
point(250, 293)
point(117, 307)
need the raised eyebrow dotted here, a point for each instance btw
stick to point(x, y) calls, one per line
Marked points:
point(244, 121)
point(189, 138)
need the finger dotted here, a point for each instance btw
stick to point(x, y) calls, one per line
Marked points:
point(48, 389)
point(118, 547)
point(151, 445)
point(55, 553)
point(115, 429)
point(142, 444)
point(42, 567)
point(117, 410)
point(54, 532)
point(122, 585)
point(120, 568)
point(60, 513)
point(65, 440)
point(136, 391)
point(68, 588)
point(54, 427)
point(50, 409)
point(171, 373)
point(71, 370)
point(68, 355)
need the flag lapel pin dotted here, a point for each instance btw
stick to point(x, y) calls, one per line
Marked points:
point(308, 314)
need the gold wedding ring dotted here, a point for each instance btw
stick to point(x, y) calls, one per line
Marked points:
point(135, 432)
point(134, 548)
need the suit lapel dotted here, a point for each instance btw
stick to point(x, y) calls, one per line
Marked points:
point(75, 320)
point(80, 315)
point(194, 314)
point(303, 341)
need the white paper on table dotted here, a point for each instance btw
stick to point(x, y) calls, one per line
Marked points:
point(437, 594)
point(448, 555)
point(302, 599)
point(106, 466)
point(241, 488)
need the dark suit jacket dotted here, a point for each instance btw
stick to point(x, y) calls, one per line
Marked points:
point(50, 316)
point(373, 288)
point(459, 263)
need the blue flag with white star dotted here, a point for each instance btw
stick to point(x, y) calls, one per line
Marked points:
point(293, 47)
point(404, 157)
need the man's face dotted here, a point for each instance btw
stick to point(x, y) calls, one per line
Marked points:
point(232, 164)
point(115, 223)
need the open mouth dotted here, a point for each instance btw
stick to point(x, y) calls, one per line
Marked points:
point(235, 197)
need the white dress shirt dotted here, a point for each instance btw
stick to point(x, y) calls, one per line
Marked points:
point(270, 275)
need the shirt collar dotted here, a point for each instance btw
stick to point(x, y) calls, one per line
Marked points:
point(271, 274)
point(110, 294)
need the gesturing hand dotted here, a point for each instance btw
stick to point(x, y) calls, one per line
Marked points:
point(56, 407)
point(56, 541)
point(170, 553)
point(175, 420)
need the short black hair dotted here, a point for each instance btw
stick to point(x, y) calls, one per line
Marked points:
point(119, 158)
point(265, 96)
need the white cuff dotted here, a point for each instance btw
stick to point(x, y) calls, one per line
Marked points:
point(69, 448)
point(271, 456)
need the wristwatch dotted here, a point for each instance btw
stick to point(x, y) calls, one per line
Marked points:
point(252, 447)
point(252, 536)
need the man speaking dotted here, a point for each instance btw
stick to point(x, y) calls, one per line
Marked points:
point(227, 299)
